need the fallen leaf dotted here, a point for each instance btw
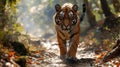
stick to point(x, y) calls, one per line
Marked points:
point(41, 58)
point(117, 64)
point(29, 61)
point(12, 53)
point(101, 55)
point(16, 57)
point(38, 52)
point(36, 62)
point(97, 60)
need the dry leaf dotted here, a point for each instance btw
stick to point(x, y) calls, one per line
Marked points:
point(101, 55)
point(41, 58)
point(11, 54)
point(97, 60)
point(36, 62)
point(29, 61)
point(16, 57)
point(117, 64)
point(38, 52)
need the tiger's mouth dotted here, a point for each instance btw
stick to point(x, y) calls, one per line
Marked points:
point(66, 29)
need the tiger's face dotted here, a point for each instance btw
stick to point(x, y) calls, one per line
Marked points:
point(66, 17)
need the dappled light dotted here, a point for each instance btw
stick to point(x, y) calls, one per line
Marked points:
point(59, 33)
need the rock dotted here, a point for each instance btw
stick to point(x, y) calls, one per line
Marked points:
point(8, 64)
point(21, 62)
point(19, 48)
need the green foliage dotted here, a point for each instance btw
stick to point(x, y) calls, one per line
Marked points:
point(107, 28)
point(8, 31)
point(97, 15)
point(2, 34)
point(17, 27)
point(112, 8)
point(10, 1)
point(50, 2)
point(12, 4)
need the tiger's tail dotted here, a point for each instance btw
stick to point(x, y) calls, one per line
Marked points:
point(83, 14)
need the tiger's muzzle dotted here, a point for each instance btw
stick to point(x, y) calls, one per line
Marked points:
point(66, 27)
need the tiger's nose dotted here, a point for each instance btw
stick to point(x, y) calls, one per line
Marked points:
point(66, 27)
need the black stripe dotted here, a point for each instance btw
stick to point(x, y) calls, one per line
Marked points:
point(62, 33)
point(64, 42)
point(84, 7)
point(73, 34)
point(59, 37)
point(82, 17)
point(83, 14)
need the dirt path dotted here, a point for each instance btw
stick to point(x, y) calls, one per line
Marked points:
point(50, 57)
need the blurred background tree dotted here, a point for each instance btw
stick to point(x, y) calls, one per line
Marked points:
point(9, 29)
point(90, 15)
point(111, 23)
point(116, 4)
point(3, 18)
point(36, 17)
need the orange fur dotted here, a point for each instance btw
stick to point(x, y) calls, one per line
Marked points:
point(67, 25)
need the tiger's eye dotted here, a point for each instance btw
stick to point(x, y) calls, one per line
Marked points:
point(57, 20)
point(62, 14)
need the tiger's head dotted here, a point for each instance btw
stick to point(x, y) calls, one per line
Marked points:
point(66, 17)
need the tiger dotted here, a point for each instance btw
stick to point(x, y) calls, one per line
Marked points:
point(67, 26)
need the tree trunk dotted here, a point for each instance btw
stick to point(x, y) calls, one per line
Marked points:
point(90, 16)
point(2, 14)
point(110, 20)
point(116, 4)
point(105, 8)
point(115, 52)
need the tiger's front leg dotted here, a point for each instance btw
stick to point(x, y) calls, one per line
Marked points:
point(62, 46)
point(74, 41)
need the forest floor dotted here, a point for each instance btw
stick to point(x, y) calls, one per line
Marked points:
point(88, 55)
point(46, 54)
point(51, 58)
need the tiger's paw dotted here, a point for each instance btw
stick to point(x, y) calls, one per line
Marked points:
point(62, 57)
point(71, 60)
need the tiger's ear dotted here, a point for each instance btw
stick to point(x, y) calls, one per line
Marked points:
point(75, 7)
point(57, 7)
